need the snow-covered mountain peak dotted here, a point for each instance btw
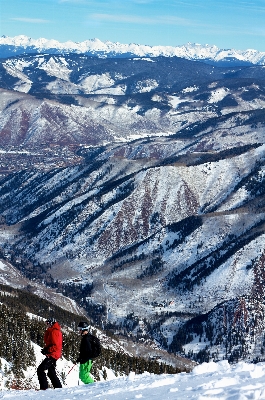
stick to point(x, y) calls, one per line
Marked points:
point(193, 51)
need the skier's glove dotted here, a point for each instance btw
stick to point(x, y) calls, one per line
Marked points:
point(44, 351)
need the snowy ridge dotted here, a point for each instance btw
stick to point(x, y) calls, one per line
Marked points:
point(22, 44)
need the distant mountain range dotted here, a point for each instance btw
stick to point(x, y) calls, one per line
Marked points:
point(14, 46)
point(78, 99)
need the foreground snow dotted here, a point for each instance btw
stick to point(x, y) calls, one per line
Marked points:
point(207, 381)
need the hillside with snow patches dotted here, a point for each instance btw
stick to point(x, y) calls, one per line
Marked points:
point(155, 245)
point(77, 99)
point(156, 215)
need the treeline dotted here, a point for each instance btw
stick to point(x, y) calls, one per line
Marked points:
point(233, 330)
point(15, 342)
point(25, 301)
point(40, 273)
point(124, 364)
point(222, 155)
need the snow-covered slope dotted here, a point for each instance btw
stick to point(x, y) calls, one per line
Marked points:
point(10, 46)
point(209, 380)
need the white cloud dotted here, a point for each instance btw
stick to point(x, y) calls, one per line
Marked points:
point(31, 20)
point(72, 1)
point(135, 19)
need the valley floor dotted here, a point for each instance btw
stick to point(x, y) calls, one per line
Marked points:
point(220, 381)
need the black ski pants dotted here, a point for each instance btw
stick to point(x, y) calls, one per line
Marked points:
point(48, 364)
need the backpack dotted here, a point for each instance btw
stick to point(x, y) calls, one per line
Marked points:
point(95, 346)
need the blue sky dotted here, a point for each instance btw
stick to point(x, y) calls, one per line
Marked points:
point(226, 23)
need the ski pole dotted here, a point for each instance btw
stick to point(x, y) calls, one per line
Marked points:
point(70, 370)
point(34, 374)
point(68, 374)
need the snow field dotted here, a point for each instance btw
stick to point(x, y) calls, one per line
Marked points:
point(207, 381)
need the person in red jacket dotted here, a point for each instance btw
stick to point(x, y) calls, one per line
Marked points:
point(53, 340)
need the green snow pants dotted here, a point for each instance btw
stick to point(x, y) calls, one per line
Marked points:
point(84, 372)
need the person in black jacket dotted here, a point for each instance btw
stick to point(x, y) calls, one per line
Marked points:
point(85, 354)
